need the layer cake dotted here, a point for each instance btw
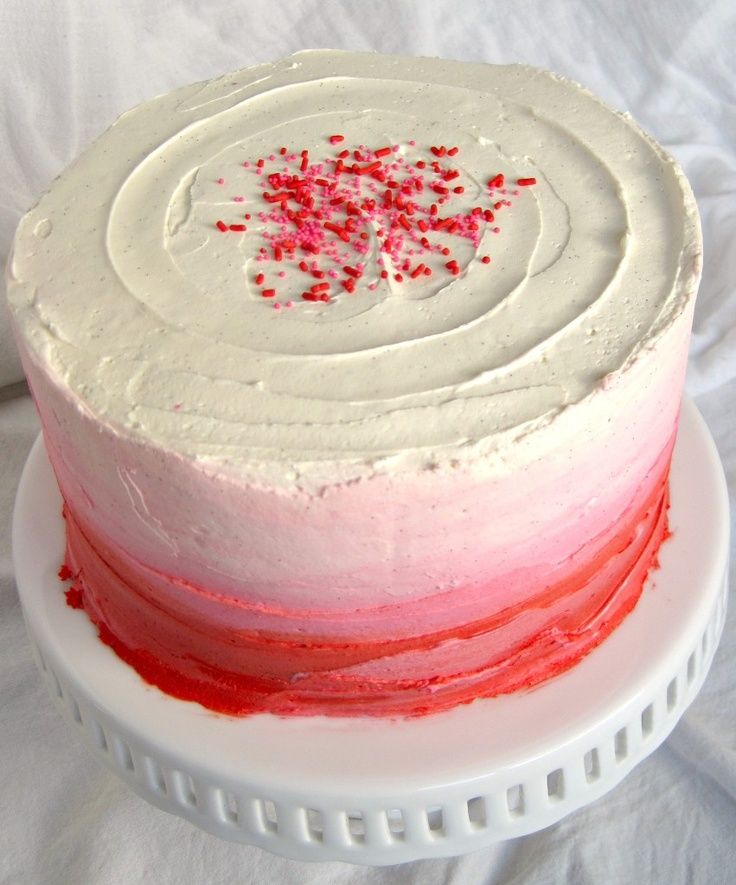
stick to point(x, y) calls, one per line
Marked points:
point(360, 378)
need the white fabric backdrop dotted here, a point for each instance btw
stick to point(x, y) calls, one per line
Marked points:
point(67, 69)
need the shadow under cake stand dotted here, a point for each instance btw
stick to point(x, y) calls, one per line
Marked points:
point(374, 791)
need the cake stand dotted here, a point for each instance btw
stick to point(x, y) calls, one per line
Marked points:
point(374, 791)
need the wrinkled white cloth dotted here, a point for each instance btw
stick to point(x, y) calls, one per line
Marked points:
point(67, 70)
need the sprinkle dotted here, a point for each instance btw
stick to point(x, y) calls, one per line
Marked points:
point(486, 259)
point(418, 270)
point(452, 151)
point(496, 181)
point(526, 182)
point(336, 139)
point(366, 170)
point(220, 225)
point(383, 152)
point(276, 305)
point(259, 279)
point(268, 293)
point(351, 271)
point(238, 199)
point(238, 227)
point(439, 151)
point(221, 181)
point(340, 231)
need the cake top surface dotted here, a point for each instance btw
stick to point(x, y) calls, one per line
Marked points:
point(344, 259)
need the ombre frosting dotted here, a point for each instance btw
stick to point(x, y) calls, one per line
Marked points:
point(443, 480)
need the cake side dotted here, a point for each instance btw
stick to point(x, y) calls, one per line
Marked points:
point(420, 492)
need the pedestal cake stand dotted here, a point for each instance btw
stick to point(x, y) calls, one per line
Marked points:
point(383, 792)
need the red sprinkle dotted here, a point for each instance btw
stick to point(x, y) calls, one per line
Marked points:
point(366, 170)
point(526, 182)
point(268, 293)
point(220, 225)
point(486, 259)
point(238, 227)
point(259, 279)
point(336, 139)
point(383, 152)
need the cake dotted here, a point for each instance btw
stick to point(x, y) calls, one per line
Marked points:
point(360, 378)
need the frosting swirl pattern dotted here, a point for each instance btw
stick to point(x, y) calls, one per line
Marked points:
point(178, 346)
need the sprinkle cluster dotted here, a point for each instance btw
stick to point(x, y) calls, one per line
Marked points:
point(318, 217)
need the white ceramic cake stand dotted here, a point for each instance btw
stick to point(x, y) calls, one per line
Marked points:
point(382, 792)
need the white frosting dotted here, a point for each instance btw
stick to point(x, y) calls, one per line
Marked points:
point(123, 287)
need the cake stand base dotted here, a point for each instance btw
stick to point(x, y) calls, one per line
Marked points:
point(375, 791)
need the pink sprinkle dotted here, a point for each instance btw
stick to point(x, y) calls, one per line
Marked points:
point(281, 274)
point(221, 181)
point(246, 164)
point(289, 303)
point(238, 199)
point(496, 230)
point(276, 305)
point(412, 143)
point(177, 406)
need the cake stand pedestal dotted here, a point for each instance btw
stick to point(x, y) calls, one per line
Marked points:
point(373, 791)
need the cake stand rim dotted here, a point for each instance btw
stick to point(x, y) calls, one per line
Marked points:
point(358, 784)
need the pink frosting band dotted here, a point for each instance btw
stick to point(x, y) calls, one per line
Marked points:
point(317, 665)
